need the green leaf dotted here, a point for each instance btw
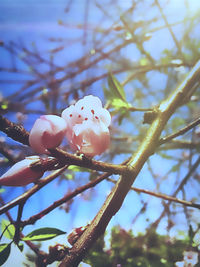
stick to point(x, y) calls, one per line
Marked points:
point(116, 88)
point(116, 95)
point(175, 168)
point(75, 168)
point(42, 234)
point(118, 103)
point(107, 94)
point(162, 260)
point(4, 105)
point(69, 176)
point(7, 229)
point(2, 190)
point(4, 252)
point(144, 61)
point(165, 156)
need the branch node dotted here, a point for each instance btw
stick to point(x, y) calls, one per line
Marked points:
point(150, 116)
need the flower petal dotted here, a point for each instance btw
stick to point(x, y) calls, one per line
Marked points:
point(92, 138)
point(48, 132)
point(87, 126)
point(89, 101)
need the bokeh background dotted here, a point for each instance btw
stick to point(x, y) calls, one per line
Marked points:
point(53, 53)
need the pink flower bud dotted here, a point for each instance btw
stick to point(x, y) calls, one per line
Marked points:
point(21, 174)
point(87, 126)
point(48, 132)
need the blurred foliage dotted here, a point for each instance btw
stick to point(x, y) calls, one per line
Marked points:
point(145, 250)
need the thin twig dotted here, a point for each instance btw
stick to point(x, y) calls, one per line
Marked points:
point(180, 132)
point(163, 196)
point(169, 28)
point(180, 144)
point(18, 222)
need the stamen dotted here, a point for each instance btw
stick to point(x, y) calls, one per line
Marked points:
point(86, 119)
point(70, 115)
point(82, 108)
point(96, 117)
point(92, 110)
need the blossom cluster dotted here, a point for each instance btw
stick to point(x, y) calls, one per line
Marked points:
point(85, 125)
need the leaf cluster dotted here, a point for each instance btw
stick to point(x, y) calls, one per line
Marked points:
point(126, 249)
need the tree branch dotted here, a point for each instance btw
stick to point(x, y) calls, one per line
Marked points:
point(138, 159)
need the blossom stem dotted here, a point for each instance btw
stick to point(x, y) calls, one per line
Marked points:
point(67, 158)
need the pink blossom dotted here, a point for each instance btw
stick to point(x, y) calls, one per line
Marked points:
point(21, 174)
point(87, 126)
point(190, 259)
point(48, 132)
